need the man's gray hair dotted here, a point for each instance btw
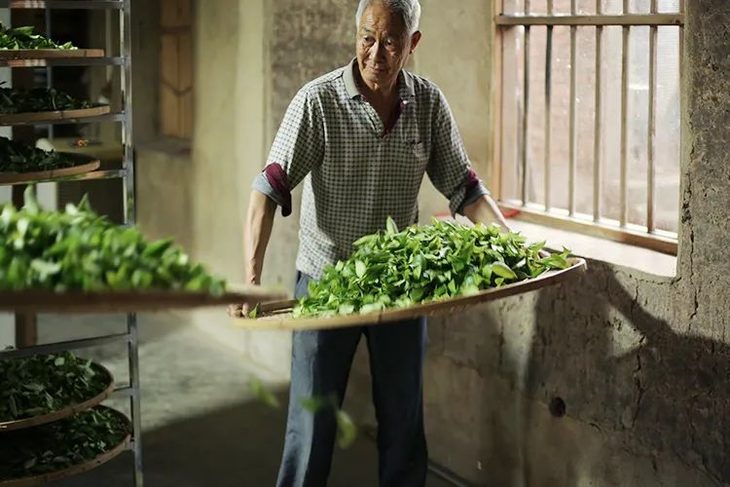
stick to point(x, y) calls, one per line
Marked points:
point(409, 10)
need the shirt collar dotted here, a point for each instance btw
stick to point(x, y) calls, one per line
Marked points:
point(349, 78)
point(405, 82)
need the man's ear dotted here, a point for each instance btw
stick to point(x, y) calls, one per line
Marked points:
point(415, 39)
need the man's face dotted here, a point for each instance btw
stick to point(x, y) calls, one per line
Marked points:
point(383, 45)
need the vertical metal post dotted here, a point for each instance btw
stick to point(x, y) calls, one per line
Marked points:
point(26, 330)
point(625, 59)
point(49, 69)
point(525, 109)
point(598, 128)
point(135, 403)
point(651, 143)
point(129, 206)
point(573, 143)
point(548, 105)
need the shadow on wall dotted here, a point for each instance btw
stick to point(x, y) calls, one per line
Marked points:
point(667, 398)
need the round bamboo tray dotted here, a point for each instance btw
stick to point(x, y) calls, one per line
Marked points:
point(278, 315)
point(18, 54)
point(86, 164)
point(65, 412)
point(38, 117)
point(130, 301)
point(76, 469)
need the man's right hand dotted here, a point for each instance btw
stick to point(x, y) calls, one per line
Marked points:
point(239, 310)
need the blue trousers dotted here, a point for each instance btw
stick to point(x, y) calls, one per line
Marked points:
point(321, 362)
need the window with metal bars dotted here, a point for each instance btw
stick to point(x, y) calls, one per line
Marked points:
point(590, 116)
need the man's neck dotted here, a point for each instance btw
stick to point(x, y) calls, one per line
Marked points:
point(377, 93)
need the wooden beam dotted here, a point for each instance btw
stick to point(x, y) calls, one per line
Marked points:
point(590, 20)
point(26, 324)
point(495, 166)
point(633, 235)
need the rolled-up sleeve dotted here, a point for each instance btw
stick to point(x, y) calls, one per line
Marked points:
point(449, 168)
point(298, 148)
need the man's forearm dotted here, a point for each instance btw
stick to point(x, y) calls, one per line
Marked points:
point(259, 222)
point(485, 211)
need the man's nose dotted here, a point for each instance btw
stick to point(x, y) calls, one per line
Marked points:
point(379, 50)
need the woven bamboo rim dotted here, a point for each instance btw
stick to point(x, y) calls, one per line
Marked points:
point(66, 412)
point(278, 315)
point(76, 469)
point(17, 54)
point(30, 177)
point(37, 117)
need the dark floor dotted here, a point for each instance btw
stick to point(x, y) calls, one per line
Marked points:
point(201, 425)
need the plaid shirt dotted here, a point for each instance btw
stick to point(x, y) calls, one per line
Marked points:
point(355, 174)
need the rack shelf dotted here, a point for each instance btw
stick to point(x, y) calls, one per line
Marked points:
point(60, 62)
point(63, 4)
point(59, 116)
point(27, 315)
point(22, 54)
point(86, 165)
point(89, 176)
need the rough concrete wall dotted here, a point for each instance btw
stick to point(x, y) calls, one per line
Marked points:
point(165, 193)
point(308, 39)
point(145, 69)
point(214, 136)
point(163, 169)
point(705, 208)
point(643, 400)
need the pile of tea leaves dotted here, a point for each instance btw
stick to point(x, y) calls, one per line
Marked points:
point(60, 445)
point(422, 264)
point(42, 384)
point(78, 250)
point(18, 157)
point(25, 38)
point(14, 100)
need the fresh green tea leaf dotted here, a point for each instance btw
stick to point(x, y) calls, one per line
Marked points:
point(263, 394)
point(346, 429)
point(360, 268)
point(503, 271)
point(391, 227)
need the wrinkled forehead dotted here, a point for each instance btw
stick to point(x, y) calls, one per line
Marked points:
point(377, 18)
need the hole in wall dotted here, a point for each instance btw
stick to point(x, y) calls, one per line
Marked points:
point(557, 407)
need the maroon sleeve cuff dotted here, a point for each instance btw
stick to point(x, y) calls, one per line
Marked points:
point(279, 182)
point(472, 180)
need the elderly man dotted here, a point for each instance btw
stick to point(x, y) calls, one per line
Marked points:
point(361, 138)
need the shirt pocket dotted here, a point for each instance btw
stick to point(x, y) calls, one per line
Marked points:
point(419, 151)
point(406, 165)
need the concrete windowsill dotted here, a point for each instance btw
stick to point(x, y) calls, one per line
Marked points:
point(645, 260)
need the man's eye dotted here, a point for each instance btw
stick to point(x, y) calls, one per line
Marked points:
point(368, 39)
point(391, 44)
